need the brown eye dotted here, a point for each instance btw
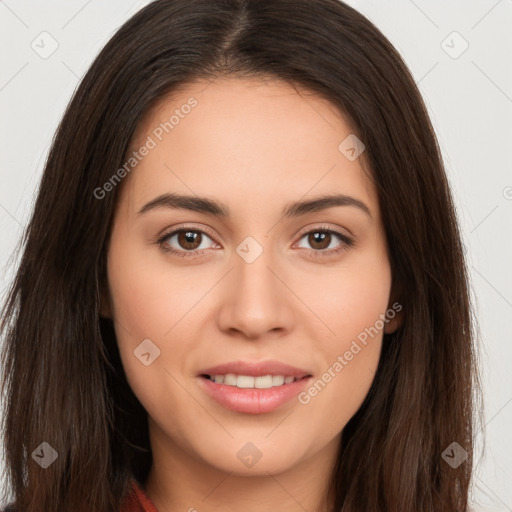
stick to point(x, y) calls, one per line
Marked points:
point(184, 241)
point(319, 240)
point(189, 240)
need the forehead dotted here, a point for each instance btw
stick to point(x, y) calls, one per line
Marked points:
point(244, 140)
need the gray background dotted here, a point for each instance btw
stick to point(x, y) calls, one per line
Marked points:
point(469, 96)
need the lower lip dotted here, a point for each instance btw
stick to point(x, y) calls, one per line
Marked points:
point(252, 400)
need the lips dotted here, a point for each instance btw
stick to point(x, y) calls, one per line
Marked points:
point(244, 387)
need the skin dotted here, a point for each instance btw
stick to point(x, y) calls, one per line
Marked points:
point(256, 146)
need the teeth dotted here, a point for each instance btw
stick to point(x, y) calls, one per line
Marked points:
point(278, 380)
point(248, 381)
point(230, 379)
point(244, 381)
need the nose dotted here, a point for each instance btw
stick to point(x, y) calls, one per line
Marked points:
point(255, 299)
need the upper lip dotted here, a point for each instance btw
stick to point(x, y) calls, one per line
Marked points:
point(256, 369)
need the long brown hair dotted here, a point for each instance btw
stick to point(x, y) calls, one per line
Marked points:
point(63, 380)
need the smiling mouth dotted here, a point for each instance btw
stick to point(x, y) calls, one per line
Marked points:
point(253, 382)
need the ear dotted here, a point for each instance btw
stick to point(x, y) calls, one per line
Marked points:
point(395, 312)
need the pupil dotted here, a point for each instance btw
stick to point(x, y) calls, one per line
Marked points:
point(188, 238)
point(318, 238)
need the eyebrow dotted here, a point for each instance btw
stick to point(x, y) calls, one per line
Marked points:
point(218, 209)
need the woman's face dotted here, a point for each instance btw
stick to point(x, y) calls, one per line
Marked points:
point(263, 293)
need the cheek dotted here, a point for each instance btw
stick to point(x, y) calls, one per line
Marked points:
point(150, 301)
point(351, 302)
point(148, 296)
point(350, 360)
point(347, 299)
point(140, 310)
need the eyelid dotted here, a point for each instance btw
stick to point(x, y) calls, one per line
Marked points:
point(166, 233)
point(324, 227)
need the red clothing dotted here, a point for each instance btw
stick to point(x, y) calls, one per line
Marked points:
point(138, 501)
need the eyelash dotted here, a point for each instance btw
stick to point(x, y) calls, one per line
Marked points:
point(346, 242)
